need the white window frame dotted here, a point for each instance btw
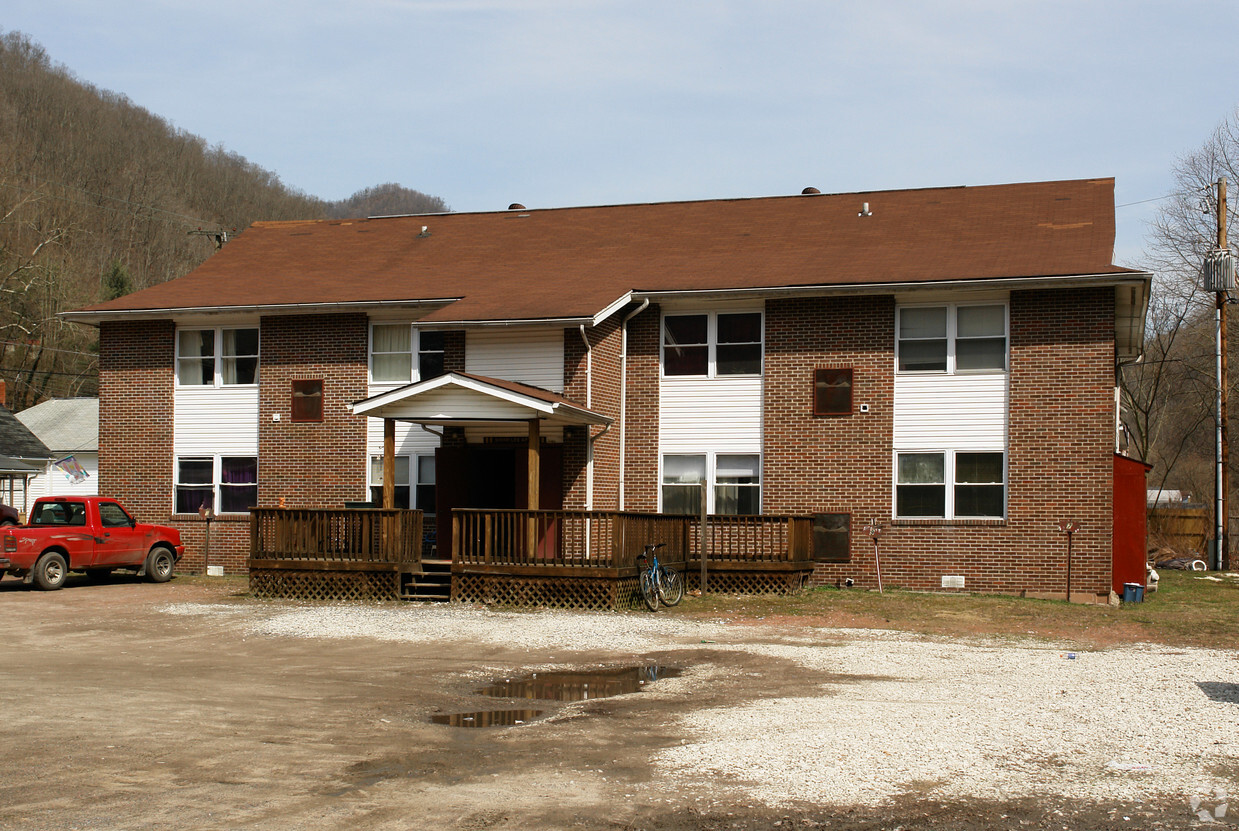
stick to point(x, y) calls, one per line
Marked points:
point(218, 357)
point(952, 328)
point(414, 478)
point(217, 475)
point(711, 342)
point(711, 457)
point(415, 352)
point(949, 482)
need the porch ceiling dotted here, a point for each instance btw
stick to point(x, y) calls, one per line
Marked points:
point(459, 399)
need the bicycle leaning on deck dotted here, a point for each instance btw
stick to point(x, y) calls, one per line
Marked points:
point(657, 582)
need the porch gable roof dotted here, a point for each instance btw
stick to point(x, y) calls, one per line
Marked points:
point(460, 398)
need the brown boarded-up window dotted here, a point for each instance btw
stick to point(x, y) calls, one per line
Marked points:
point(832, 537)
point(832, 391)
point(308, 400)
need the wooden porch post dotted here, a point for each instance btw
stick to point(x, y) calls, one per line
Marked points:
point(389, 463)
point(535, 458)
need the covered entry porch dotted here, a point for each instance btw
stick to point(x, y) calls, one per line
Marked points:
point(500, 448)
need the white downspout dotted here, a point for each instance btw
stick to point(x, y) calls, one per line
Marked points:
point(623, 419)
point(589, 405)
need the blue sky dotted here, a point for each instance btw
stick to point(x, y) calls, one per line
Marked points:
point(553, 103)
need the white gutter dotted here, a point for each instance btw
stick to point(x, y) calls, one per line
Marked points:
point(623, 413)
point(101, 315)
point(823, 290)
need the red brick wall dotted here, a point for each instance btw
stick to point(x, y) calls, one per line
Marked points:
point(602, 375)
point(454, 351)
point(1060, 437)
point(135, 415)
point(320, 465)
point(641, 413)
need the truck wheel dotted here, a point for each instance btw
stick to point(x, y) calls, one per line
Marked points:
point(50, 571)
point(159, 564)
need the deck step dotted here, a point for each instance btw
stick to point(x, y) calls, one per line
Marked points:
point(433, 584)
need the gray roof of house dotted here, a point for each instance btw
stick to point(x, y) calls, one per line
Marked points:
point(12, 467)
point(65, 425)
point(17, 441)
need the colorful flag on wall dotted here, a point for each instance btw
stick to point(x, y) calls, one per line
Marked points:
point(72, 469)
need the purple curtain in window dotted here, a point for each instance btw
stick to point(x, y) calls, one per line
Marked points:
point(238, 484)
point(239, 471)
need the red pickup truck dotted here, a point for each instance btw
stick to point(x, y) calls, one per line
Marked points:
point(93, 534)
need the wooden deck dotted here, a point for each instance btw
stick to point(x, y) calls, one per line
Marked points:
point(565, 559)
point(324, 554)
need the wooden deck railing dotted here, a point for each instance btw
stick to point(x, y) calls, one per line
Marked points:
point(580, 539)
point(327, 535)
point(613, 539)
point(756, 539)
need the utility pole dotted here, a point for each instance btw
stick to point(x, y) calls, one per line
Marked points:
point(1219, 277)
point(1223, 392)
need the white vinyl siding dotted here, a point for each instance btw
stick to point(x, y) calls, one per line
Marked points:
point(964, 412)
point(411, 441)
point(532, 355)
point(215, 421)
point(698, 415)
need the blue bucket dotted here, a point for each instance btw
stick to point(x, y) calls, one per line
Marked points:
point(1133, 593)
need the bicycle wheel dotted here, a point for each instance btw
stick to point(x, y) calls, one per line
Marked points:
point(649, 591)
point(670, 586)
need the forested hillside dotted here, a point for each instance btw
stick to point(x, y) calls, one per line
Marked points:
point(99, 197)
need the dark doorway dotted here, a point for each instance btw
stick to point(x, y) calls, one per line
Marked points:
point(492, 476)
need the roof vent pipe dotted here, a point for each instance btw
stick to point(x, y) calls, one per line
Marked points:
point(516, 206)
point(809, 191)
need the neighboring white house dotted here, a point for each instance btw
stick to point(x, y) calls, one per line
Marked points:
point(70, 429)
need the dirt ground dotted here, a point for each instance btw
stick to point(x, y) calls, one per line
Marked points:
point(119, 715)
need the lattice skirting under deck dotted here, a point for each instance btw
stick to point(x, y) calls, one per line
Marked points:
point(557, 592)
point(324, 585)
point(749, 582)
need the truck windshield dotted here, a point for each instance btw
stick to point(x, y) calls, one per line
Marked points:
point(60, 513)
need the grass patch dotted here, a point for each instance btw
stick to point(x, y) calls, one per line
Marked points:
point(1187, 610)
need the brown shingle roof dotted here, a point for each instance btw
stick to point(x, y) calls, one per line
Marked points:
point(574, 262)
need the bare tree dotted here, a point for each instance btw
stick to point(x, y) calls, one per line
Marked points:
point(1170, 395)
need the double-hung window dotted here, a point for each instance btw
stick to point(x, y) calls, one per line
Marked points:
point(224, 484)
point(733, 483)
point(401, 353)
point(217, 357)
point(950, 484)
point(410, 492)
point(712, 345)
point(952, 338)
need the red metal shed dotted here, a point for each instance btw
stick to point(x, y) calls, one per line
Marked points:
point(1130, 537)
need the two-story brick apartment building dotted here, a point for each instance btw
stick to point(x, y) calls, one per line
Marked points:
point(940, 361)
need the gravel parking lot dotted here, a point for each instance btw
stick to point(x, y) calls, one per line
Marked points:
point(130, 705)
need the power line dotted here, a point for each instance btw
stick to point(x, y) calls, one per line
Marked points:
point(152, 209)
point(18, 371)
point(1144, 201)
point(48, 348)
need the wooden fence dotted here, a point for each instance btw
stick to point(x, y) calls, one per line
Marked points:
point(1185, 530)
